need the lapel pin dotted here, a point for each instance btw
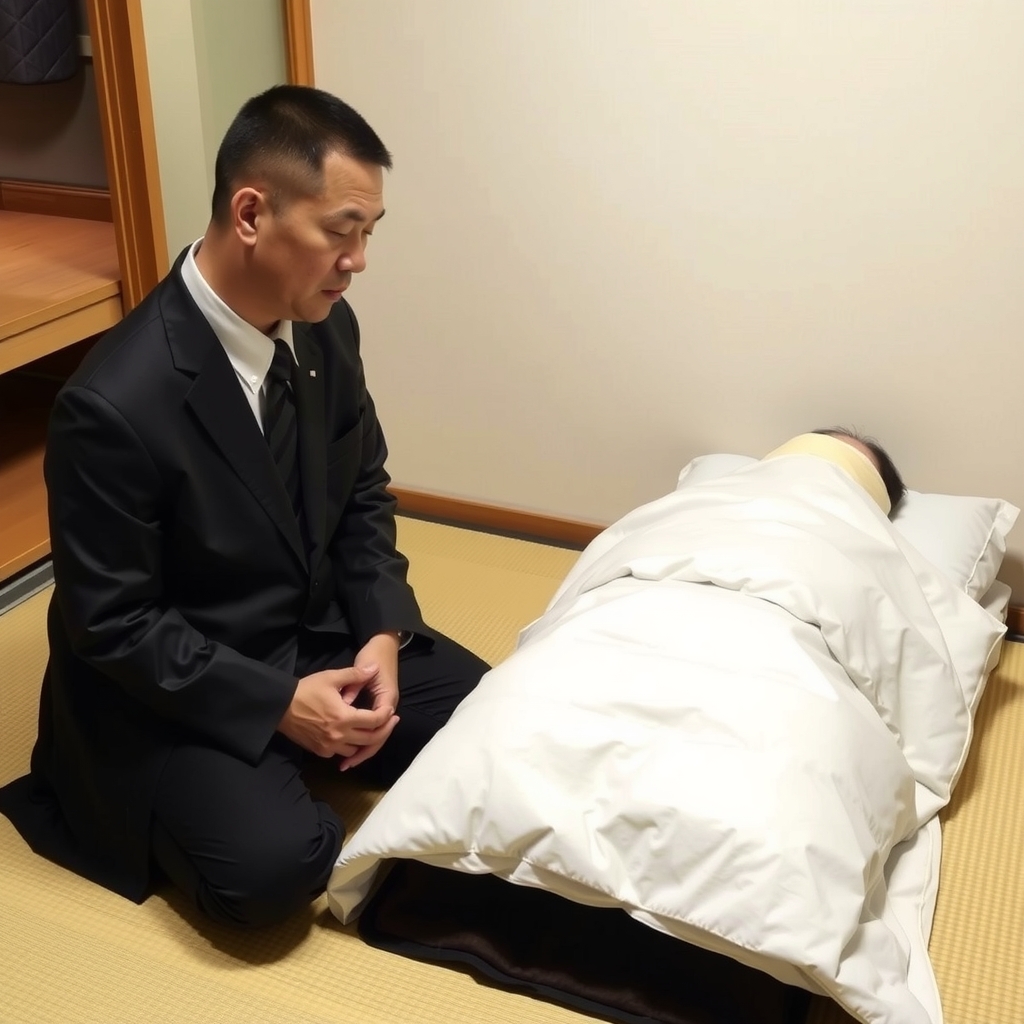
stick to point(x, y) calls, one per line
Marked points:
point(312, 373)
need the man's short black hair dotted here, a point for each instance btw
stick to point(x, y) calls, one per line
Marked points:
point(894, 485)
point(282, 136)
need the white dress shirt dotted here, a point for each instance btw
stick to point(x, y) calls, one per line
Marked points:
point(249, 350)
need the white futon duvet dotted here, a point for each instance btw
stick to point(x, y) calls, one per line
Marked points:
point(743, 699)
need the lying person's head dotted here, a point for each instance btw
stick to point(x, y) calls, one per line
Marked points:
point(895, 488)
point(884, 484)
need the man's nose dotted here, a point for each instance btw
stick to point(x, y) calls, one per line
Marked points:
point(353, 262)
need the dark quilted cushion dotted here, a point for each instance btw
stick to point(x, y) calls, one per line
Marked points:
point(38, 41)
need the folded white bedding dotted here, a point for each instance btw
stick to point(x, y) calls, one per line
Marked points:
point(741, 699)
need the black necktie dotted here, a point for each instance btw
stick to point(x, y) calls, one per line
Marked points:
point(279, 423)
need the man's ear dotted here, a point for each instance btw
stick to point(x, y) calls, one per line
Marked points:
point(247, 206)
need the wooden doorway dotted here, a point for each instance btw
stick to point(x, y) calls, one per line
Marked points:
point(52, 306)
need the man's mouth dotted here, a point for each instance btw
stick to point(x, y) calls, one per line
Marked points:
point(335, 293)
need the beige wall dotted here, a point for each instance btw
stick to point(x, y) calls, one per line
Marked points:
point(620, 234)
point(52, 132)
point(241, 51)
point(206, 57)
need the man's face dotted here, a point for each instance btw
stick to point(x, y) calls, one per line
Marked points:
point(307, 251)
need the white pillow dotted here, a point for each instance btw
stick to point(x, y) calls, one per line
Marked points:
point(963, 537)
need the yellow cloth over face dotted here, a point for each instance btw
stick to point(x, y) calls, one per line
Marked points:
point(840, 453)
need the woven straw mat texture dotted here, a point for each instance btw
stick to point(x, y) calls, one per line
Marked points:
point(73, 953)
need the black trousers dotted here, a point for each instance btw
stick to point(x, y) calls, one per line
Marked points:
point(247, 843)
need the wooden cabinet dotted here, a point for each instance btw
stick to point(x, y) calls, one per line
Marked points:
point(66, 276)
point(72, 263)
point(59, 284)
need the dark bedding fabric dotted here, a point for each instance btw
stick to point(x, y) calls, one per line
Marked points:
point(597, 960)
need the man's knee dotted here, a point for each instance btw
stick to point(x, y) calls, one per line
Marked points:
point(260, 882)
point(272, 880)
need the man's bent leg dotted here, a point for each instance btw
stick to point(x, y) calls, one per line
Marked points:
point(246, 843)
point(431, 683)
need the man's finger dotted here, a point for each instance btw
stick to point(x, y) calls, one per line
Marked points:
point(369, 719)
point(385, 699)
point(369, 737)
point(365, 753)
point(350, 691)
point(356, 675)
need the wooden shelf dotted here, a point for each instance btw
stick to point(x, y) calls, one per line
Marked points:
point(24, 410)
point(59, 284)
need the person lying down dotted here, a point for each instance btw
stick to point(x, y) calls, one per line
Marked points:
point(871, 466)
point(740, 710)
point(868, 464)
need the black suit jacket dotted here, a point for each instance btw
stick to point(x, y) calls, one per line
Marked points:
point(182, 583)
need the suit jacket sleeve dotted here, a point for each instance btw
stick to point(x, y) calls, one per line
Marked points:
point(370, 572)
point(105, 497)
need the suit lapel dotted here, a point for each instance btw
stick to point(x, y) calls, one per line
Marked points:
point(217, 400)
point(309, 401)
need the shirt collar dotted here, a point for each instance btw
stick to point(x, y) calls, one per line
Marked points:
point(249, 350)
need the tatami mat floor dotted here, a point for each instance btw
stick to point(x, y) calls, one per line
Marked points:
point(977, 941)
point(73, 953)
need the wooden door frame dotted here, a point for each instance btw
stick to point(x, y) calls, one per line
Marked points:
point(298, 34)
point(129, 137)
point(129, 143)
